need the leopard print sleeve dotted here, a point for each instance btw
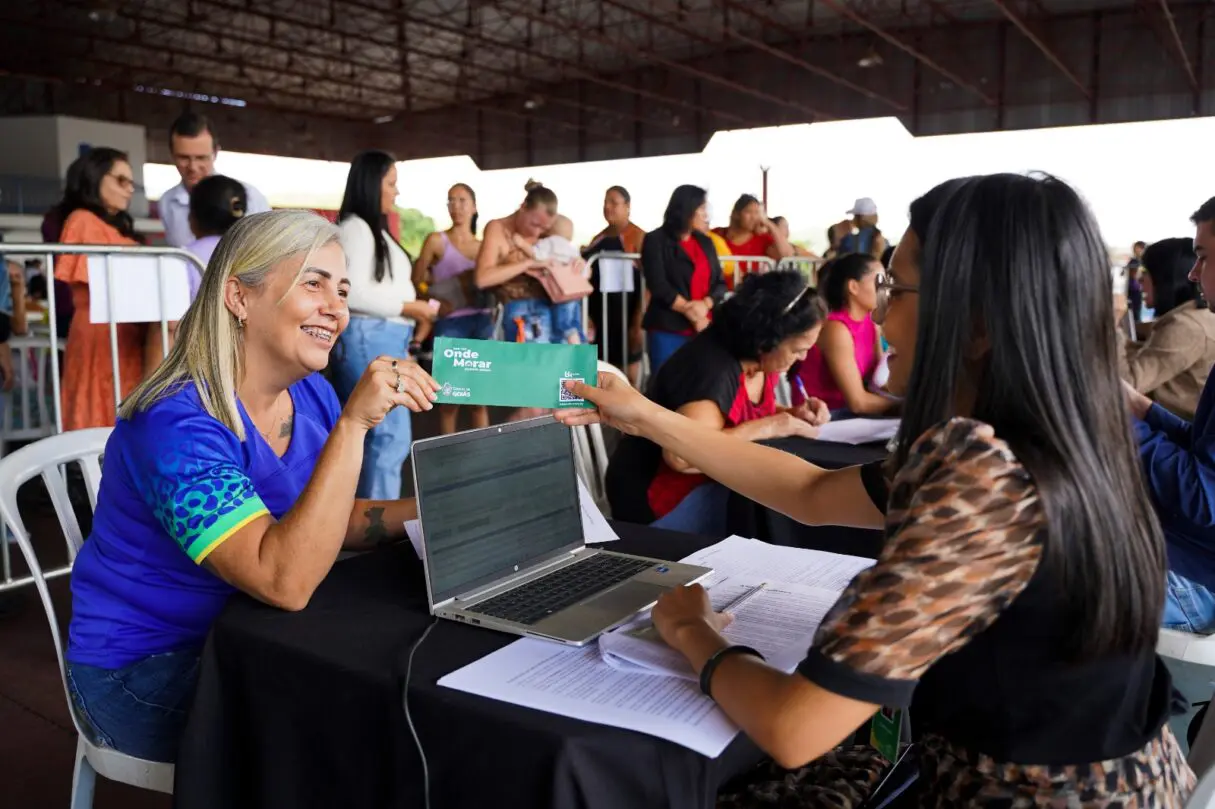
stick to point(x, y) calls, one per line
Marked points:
point(964, 536)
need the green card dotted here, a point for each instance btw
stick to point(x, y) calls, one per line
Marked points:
point(490, 372)
point(885, 732)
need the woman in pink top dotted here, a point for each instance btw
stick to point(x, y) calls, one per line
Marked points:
point(841, 364)
point(442, 270)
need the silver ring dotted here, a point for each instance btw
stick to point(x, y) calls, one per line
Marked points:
point(400, 386)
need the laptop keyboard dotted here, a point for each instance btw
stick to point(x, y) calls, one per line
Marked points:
point(536, 600)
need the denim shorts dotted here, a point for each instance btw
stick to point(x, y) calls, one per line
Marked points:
point(541, 321)
point(1188, 606)
point(140, 709)
point(476, 326)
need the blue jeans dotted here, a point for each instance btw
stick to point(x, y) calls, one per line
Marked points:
point(542, 322)
point(703, 512)
point(387, 445)
point(1188, 606)
point(479, 326)
point(139, 710)
point(661, 345)
point(567, 321)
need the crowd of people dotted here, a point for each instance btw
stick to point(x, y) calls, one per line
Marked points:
point(1048, 503)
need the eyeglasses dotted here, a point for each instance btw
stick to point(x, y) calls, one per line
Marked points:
point(885, 289)
point(123, 181)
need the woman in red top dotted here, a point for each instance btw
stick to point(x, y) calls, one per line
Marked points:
point(725, 377)
point(682, 276)
point(752, 233)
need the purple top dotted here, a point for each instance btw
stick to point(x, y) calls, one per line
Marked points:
point(445, 280)
point(203, 248)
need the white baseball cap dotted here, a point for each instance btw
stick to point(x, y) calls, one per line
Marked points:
point(864, 206)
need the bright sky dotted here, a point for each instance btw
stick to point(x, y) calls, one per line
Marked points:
point(1143, 180)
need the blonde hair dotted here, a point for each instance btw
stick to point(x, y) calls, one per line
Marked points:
point(538, 195)
point(209, 352)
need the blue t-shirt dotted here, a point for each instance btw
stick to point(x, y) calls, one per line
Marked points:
point(177, 483)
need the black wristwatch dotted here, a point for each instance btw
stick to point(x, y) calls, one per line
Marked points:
point(706, 673)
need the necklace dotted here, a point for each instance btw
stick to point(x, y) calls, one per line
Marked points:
point(284, 429)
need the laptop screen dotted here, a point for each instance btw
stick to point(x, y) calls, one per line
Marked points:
point(495, 502)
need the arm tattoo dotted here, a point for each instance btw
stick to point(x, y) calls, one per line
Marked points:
point(285, 430)
point(376, 533)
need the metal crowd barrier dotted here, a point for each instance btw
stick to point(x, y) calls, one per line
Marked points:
point(765, 264)
point(50, 344)
point(603, 334)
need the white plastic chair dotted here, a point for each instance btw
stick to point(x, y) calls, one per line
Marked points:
point(44, 458)
point(1204, 793)
point(28, 397)
point(590, 450)
point(1187, 647)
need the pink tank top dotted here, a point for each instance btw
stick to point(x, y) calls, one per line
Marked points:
point(817, 377)
point(445, 278)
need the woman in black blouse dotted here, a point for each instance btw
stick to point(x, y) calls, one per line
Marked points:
point(724, 378)
point(682, 275)
point(1015, 604)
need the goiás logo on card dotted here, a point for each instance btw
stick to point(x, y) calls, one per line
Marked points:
point(452, 392)
point(467, 359)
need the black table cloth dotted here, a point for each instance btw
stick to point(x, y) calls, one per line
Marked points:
point(301, 710)
point(748, 518)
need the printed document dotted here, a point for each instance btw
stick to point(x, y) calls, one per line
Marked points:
point(779, 622)
point(756, 561)
point(579, 684)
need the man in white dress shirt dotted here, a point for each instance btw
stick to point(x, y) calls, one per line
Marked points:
point(194, 146)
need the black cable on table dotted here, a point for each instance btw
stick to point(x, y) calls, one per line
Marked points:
point(409, 719)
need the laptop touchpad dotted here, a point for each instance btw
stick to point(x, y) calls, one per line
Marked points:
point(628, 597)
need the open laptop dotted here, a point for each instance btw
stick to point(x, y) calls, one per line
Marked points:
point(503, 544)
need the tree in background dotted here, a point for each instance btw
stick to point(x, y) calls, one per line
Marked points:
point(415, 227)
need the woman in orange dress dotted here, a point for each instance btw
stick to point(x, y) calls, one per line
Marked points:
point(97, 199)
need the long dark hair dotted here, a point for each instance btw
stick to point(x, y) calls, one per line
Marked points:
point(362, 199)
point(83, 189)
point(836, 273)
point(1169, 262)
point(685, 199)
point(1019, 261)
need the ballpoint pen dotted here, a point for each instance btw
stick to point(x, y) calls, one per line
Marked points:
point(645, 629)
point(733, 606)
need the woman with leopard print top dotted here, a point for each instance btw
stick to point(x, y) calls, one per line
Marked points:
point(1015, 604)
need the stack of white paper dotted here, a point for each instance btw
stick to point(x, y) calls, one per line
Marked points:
point(779, 622)
point(579, 684)
point(859, 431)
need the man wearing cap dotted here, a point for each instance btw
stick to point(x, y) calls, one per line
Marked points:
point(866, 238)
point(194, 145)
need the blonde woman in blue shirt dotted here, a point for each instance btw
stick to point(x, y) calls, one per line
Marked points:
point(232, 467)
